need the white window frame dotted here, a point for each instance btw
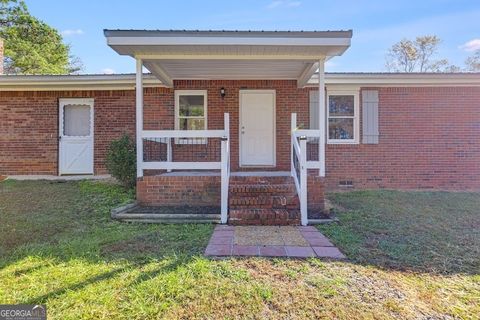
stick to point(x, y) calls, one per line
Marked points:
point(179, 93)
point(355, 117)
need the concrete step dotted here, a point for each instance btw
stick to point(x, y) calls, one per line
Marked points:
point(142, 215)
point(172, 221)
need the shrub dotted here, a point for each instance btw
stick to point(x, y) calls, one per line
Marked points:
point(122, 161)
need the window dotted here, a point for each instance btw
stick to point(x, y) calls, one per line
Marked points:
point(342, 111)
point(191, 110)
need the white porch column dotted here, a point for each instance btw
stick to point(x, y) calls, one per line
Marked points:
point(139, 116)
point(322, 116)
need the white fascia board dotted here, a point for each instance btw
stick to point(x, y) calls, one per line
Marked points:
point(401, 80)
point(172, 41)
point(282, 57)
point(74, 82)
point(127, 82)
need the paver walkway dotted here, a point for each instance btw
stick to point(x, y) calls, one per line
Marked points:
point(271, 241)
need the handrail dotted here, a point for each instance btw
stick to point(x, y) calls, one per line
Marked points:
point(184, 134)
point(300, 162)
point(309, 133)
point(223, 165)
point(296, 145)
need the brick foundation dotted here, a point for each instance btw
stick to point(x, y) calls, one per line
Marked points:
point(315, 195)
point(252, 200)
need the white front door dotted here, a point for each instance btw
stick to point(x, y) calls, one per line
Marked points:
point(257, 128)
point(76, 136)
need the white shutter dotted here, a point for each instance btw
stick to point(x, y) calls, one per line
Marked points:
point(370, 116)
point(313, 111)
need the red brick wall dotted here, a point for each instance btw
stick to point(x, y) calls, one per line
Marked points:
point(29, 128)
point(28, 133)
point(429, 139)
point(288, 99)
point(178, 190)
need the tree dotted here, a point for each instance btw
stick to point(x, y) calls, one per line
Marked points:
point(473, 62)
point(31, 46)
point(417, 56)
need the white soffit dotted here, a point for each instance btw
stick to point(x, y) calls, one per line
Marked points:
point(230, 69)
point(229, 55)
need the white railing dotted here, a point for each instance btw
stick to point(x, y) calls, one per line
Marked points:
point(300, 164)
point(193, 139)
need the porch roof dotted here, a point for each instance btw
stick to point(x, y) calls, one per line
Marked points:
point(230, 55)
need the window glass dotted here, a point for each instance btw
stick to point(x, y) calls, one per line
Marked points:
point(191, 106)
point(191, 124)
point(341, 105)
point(340, 129)
point(76, 120)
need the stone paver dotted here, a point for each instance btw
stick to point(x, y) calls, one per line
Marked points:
point(299, 252)
point(271, 241)
point(218, 250)
point(328, 252)
point(273, 251)
point(317, 239)
point(245, 250)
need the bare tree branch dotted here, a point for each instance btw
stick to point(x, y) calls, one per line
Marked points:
point(416, 56)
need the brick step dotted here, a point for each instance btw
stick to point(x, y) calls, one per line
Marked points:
point(260, 180)
point(259, 216)
point(237, 201)
point(272, 189)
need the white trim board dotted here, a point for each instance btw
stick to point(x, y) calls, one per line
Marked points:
point(356, 116)
point(127, 81)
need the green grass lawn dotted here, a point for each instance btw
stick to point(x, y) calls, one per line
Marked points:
point(411, 255)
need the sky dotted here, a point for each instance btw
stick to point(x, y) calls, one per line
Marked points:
point(376, 24)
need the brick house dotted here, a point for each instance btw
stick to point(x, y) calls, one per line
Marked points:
point(246, 122)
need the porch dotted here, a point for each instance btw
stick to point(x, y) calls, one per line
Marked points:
point(252, 85)
point(185, 168)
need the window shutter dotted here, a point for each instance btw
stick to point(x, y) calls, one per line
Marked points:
point(314, 110)
point(370, 116)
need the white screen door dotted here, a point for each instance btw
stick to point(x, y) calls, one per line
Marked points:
point(76, 136)
point(257, 128)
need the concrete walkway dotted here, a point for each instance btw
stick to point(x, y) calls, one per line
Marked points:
point(271, 241)
point(58, 178)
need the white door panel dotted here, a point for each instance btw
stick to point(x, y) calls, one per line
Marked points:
point(76, 136)
point(257, 128)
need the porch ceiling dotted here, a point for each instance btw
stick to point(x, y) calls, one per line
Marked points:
point(175, 55)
